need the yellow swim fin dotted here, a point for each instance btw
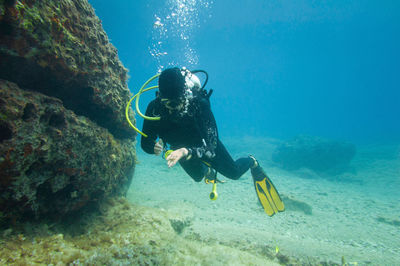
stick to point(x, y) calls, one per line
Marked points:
point(266, 192)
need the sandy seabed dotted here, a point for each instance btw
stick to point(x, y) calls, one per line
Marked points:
point(352, 218)
point(168, 219)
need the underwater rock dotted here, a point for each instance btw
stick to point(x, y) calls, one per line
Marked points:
point(320, 155)
point(179, 225)
point(60, 49)
point(292, 204)
point(64, 140)
point(122, 234)
point(394, 222)
point(54, 162)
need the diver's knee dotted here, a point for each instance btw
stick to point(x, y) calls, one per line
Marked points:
point(234, 177)
point(197, 178)
point(210, 174)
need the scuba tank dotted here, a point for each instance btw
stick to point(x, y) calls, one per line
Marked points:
point(193, 83)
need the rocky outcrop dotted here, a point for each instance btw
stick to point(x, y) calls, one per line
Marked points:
point(64, 141)
point(320, 155)
point(60, 49)
point(54, 160)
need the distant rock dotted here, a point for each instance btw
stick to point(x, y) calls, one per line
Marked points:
point(292, 204)
point(64, 141)
point(320, 155)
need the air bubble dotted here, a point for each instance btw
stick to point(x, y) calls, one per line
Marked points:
point(173, 31)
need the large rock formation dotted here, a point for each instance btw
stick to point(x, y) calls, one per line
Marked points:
point(60, 49)
point(320, 155)
point(64, 141)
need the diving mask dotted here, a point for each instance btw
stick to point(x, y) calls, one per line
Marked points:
point(173, 104)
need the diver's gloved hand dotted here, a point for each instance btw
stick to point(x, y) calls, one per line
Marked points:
point(176, 155)
point(158, 147)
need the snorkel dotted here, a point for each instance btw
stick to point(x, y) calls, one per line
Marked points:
point(144, 88)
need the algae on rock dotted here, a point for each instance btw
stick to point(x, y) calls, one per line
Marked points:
point(122, 234)
point(53, 161)
point(64, 141)
point(59, 48)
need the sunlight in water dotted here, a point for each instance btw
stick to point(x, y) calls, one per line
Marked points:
point(173, 30)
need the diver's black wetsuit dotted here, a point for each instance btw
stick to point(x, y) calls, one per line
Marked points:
point(195, 129)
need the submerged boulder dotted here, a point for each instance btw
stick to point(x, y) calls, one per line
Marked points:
point(64, 141)
point(59, 48)
point(54, 161)
point(320, 155)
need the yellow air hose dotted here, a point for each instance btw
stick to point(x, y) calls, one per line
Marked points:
point(137, 95)
point(213, 194)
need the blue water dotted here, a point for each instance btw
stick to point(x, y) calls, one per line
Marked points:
point(278, 68)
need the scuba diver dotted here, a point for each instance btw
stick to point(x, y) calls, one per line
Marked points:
point(188, 125)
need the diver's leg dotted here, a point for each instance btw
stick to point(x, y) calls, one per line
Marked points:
point(196, 169)
point(224, 164)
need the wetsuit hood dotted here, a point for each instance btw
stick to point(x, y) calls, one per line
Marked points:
point(171, 84)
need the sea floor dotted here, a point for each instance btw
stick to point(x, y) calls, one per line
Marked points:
point(353, 218)
point(168, 219)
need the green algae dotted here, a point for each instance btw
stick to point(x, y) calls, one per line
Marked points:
point(120, 234)
point(3, 117)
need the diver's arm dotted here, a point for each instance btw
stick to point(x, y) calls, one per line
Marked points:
point(208, 132)
point(149, 128)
